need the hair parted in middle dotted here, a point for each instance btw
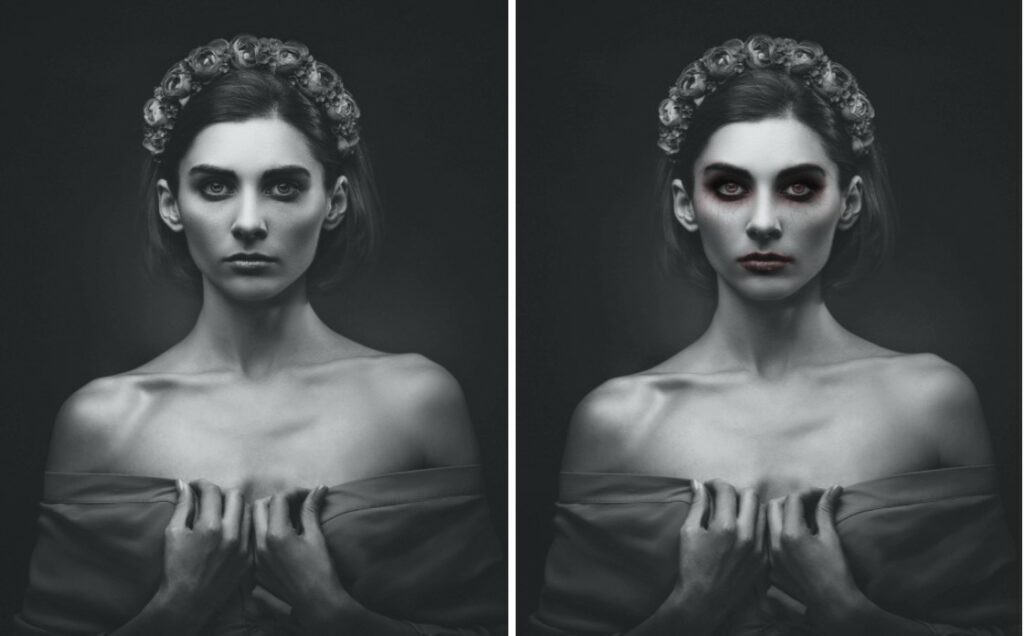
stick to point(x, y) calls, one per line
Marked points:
point(757, 94)
point(258, 93)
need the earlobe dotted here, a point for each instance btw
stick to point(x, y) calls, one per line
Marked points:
point(168, 206)
point(337, 204)
point(852, 204)
point(682, 206)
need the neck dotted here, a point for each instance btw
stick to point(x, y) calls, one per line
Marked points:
point(255, 338)
point(770, 337)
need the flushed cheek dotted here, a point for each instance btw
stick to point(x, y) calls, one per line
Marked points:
point(721, 236)
point(817, 243)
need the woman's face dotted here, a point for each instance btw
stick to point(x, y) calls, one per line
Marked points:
point(767, 204)
point(252, 204)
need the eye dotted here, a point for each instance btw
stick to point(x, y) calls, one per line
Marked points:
point(800, 191)
point(284, 190)
point(215, 189)
point(729, 190)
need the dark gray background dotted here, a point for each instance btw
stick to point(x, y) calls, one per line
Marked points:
point(431, 80)
point(592, 303)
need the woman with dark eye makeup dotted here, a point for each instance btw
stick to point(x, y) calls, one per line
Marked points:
point(265, 475)
point(780, 475)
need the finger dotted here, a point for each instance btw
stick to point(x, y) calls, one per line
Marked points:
point(725, 504)
point(260, 523)
point(695, 516)
point(793, 523)
point(183, 507)
point(761, 527)
point(232, 519)
point(211, 504)
point(746, 518)
point(775, 523)
point(245, 528)
point(826, 509)
point(278, 522)
point(311, 506)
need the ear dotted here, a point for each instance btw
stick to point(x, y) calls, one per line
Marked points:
point(682, 206)
point(337, 204)
point(853, 201)
point(168, 206)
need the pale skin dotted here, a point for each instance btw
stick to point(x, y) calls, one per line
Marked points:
point(261, 406)
point(776, 402)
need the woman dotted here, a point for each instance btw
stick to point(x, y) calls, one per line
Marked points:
point(730, 453)
point(265, 474)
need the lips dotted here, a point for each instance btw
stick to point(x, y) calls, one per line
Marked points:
point(249, 257)
point(764, 262)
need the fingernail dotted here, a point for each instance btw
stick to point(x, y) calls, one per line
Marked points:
point(180, 484)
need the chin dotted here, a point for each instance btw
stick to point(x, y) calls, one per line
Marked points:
point(767, 288)
point(252, 289)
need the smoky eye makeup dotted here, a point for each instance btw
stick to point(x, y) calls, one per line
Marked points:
point(797, 183)
point(726, 182)
point(801, 183)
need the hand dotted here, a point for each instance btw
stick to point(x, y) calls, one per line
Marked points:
point(723, 558)
point(206, 549)
point(806, 564)
point(293, 563)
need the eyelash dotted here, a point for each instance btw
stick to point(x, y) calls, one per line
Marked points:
point(292, 192)
point(719, 189)
point(205, 189)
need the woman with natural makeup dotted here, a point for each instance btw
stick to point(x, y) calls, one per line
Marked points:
point(780, 475)
point(265, 475)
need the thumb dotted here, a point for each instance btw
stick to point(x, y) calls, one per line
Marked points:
point(311, 506)
point(699, 506)
point(183, 507)
point(825, 513)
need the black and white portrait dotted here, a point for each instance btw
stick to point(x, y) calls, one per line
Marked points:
point(256, 319)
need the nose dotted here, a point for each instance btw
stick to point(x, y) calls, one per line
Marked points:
point(764, 224)
point(249, 223)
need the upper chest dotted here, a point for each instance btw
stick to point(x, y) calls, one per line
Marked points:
point(266, 436)
point(782, 437)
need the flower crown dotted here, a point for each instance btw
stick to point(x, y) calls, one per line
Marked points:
point(290, 60)
point(804, 60)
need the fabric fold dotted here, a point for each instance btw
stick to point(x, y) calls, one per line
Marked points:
point(416, 546)
point(932, 546)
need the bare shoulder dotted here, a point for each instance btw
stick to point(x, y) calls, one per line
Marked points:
point(424, 401)
point(609, 425)
point(92, 424)
point(940, 402)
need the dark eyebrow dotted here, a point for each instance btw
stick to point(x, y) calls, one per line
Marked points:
point(725, 167)
point(286, 171)
point(273, 173)
point(206, 169)
point(802, 169)
point(799, 169)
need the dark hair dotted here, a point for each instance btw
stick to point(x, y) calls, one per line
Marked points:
point(761, 94)
point(250, 94)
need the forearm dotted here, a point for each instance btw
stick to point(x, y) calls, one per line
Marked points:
point(684, 611)
point(347, 615)
point(166, 614)
point(860, 616)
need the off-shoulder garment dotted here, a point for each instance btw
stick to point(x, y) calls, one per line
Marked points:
point(415, 546)
point(931, 546)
